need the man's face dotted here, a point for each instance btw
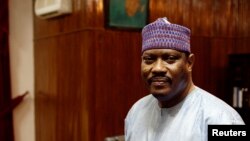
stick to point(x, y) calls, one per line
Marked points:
point(166, 72)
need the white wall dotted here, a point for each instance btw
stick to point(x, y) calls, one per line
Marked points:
point(22, 67)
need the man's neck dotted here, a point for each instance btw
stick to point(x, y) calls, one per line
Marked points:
point(178, 98)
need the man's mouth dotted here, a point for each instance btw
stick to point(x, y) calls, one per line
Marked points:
point(160, 81)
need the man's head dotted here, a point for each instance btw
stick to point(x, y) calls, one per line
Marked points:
point(167, 61)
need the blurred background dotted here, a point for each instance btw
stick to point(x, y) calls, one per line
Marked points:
point(81, 76)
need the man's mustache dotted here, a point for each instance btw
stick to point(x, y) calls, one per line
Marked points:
point(158, 78)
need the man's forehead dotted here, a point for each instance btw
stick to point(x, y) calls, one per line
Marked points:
point(162, 51)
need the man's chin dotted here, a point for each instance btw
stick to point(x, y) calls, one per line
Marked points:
point(161, 95)
point(160, 91)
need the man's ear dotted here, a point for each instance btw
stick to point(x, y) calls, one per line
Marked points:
point(190, 62)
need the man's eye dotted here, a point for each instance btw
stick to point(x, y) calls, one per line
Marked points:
point(171, 59)
point(148, 59)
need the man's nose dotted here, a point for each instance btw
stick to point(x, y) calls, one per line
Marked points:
point(159, 67)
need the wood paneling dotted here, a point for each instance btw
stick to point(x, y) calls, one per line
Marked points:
point(45, 89)
point(87, 76)
point(200, 46)
point(62, 86)
point(243, 26)
point(224, 14)
point(118, 82)
point(171, 8)
point(87, 14)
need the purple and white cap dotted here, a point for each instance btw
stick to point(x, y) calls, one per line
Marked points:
point(162, 34)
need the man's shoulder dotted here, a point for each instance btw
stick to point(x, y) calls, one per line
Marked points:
point(143, 105)
point(212, 102)
point(216, 109)
point(144, 102)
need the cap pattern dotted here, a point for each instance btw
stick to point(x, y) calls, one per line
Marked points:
point(162, 34)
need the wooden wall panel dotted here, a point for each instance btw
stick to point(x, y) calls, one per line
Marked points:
point(88, 76)
point(225, 15)
point(118, 82)
point(202, 17)
point(73, 85)
point(205, 18)
point(200, 46)
point(170, 9)
point(242, 45)
point(243, 19)
point(86, 14)
point(220, 49)
point(61, 87)
point(45, 89)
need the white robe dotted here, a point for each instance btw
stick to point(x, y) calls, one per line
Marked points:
point(186, 121)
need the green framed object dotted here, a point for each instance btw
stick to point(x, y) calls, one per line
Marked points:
point(127, 14)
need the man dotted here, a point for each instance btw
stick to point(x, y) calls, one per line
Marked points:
point(176, 109)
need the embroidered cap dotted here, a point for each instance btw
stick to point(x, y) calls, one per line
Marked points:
point(163, 34)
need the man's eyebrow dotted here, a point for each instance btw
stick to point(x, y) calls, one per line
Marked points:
point(146, 53)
